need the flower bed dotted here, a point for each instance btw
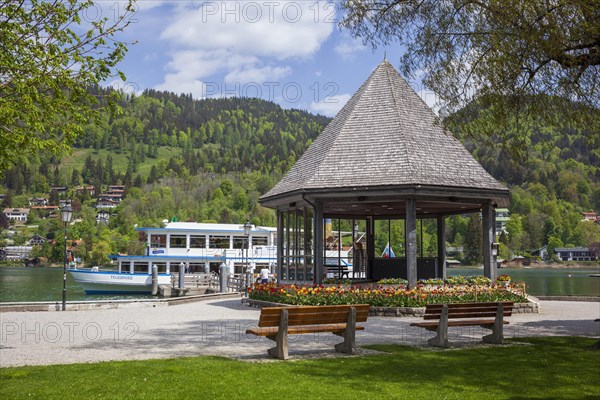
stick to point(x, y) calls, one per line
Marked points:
point(420, 296)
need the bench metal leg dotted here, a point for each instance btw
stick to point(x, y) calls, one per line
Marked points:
point(497, 335)
point(441, 339)
point(280, 350)
point(348, 346)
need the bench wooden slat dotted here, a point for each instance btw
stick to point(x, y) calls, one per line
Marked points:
point(312, 315)
point(316, 309)
point(467, 310)
point(457, 323)
point(272, 330)
point(467, 314)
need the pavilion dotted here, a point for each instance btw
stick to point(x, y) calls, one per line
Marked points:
point(382, 164)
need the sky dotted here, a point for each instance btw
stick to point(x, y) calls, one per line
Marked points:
point(290, 52)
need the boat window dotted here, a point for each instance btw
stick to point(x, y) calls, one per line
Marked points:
point(177, 241)
point(218, 242)
point(197, 242)
point(239, 242)
point(260, 241)
point(158, 240)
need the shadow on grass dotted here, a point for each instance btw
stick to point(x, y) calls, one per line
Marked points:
point(540, 368)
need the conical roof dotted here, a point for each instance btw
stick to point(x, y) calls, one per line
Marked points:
point(385, 136)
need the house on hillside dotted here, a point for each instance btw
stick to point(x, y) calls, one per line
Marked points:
point(102, 217)
point(37, 240)
point(502, 219)
point(106, 203)
point(17, 214)
point(575, 254)
point(38, 201)
point(90, 190)
point(589, 216)
point(61, 190)
point(116, 188)
point(542, 252)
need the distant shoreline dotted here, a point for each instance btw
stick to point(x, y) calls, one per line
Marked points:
point(568, 265)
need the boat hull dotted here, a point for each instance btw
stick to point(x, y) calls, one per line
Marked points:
point(104, 282)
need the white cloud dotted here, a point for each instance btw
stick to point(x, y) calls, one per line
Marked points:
point(250, 74)
point(348, 48)
point(330, 105)
point(241, 41)
point(179, 84)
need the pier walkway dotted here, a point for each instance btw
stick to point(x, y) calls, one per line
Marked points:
point(217, 327)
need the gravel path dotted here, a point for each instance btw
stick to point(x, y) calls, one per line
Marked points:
point(217, 327)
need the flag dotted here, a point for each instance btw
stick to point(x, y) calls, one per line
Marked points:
point(388, 252)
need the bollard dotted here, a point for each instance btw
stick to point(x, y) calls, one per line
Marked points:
point(181, 275)
point(223, 272)
point(154, 280)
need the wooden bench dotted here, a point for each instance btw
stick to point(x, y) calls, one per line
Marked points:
point(487, 315)
point(338, 271)
point(276, 323)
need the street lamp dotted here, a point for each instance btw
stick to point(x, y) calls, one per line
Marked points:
point(66, 214)
point(247, 229)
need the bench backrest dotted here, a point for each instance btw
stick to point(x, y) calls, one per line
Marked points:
point(312, 315)
point(467, 310)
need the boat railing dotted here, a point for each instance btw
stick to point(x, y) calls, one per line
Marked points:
point(236, 283)
point(197, 280)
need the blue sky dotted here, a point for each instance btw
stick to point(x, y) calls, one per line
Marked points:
point(289, 52)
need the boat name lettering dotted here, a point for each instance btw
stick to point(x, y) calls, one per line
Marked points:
point(121, 277)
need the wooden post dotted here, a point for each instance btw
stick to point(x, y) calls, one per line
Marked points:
point(411, 242)
point(318, 243)
point(441, 248)
point(489, 233)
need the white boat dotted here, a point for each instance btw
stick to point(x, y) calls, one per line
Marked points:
point(94, 281)
point(200, 248)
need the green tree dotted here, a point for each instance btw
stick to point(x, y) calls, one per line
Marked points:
point(553, 243)
point(473, 245)
point(500, 51)
point(49, 60)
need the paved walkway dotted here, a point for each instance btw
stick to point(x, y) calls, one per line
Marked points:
point(217, 327)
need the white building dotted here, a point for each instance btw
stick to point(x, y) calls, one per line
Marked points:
point(17, 214)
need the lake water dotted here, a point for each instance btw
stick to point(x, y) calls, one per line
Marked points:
point(547, 281)
point(45, 284)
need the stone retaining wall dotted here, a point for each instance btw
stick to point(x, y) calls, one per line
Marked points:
point(519, 308)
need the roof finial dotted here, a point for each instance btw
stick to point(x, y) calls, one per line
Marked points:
point(384, 55)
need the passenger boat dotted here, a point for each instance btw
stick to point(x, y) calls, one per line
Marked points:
point(198, 247)
point(96, 281)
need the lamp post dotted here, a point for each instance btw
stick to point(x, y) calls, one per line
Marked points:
point(247, 229)
point(66, 214)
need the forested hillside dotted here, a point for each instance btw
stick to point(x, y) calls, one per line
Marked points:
point(552, 169)
point(210, 160)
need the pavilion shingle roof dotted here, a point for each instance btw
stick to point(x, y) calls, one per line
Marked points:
point(385, 136)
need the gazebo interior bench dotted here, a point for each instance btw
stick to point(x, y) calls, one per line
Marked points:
point(276, 323)
point(487, 315)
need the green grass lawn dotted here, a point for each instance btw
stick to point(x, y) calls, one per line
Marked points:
point(120, 160)
point(540, 368)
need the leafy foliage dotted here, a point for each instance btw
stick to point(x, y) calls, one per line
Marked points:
point(49, 59)
point(502, 52)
